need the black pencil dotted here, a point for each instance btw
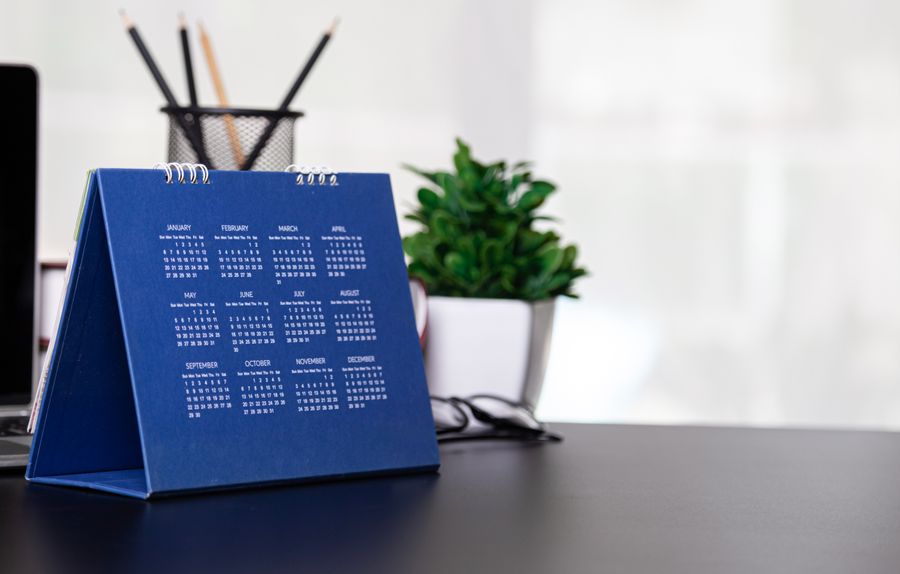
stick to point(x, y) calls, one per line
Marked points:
point(189, 74)
point(188, 63)
point(273, 123)
point(191, 136)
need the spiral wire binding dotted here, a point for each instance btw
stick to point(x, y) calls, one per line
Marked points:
point(176, 171)
point(312, 175)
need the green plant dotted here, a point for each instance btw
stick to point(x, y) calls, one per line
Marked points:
point(477, 237)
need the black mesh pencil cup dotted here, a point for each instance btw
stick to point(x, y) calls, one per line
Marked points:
point(229, 134)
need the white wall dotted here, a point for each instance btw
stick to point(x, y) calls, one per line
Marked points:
point(728, 167)
point(731, 168)
point(387, 89)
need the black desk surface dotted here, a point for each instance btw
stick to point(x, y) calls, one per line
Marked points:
point(614, 499)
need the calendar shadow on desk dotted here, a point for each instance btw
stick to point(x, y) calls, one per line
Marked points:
point(315, 527)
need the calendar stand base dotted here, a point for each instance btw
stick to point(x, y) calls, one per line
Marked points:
point(90, 435)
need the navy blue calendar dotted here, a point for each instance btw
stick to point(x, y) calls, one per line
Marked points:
point(248, 330)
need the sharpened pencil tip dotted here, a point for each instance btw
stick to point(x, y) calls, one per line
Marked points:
point(125, 19)
point(182, 20)
point(334, 26)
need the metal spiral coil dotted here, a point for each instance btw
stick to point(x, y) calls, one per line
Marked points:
point(313, 175)
point(176, 172)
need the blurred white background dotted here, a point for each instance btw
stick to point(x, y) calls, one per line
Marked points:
point(728, 168)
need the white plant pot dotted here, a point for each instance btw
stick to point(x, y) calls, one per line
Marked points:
point(492, 346)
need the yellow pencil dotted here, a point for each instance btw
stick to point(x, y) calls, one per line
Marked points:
point(233, 137)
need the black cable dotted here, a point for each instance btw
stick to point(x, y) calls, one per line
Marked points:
point(493, 435)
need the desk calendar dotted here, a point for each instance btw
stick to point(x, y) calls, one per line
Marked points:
point(255, 328)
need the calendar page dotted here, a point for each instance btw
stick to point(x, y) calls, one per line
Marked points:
point(268, 326)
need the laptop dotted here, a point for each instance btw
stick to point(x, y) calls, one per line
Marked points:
point(18, 268)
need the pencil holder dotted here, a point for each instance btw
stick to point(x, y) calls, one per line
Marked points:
point(229, 134)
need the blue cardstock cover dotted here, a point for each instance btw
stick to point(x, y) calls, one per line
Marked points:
point(129, 411)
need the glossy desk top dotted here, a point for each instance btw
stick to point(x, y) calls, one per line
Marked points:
point(609, 499)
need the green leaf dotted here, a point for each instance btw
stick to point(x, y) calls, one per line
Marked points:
point(543, 188)
point(428, 198)
point(435, 177)
point(456, 264)
point(550, 259)
point(534, 197)
point(558, 282)
point(530, 200)
point(530, 241)
point(515, 181)
point(491, 254)
point(416, 216)
point(442, 223)
point(472, 204)
point(508, 230)
point(423, 272)
point(462, 159)
point(569, 255)
point(407, 243)
point(430, 176)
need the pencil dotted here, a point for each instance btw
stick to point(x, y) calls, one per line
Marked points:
point(191, 136)
point(189, 73)
point(188, 62)
point(292, 93)
point(233, 137)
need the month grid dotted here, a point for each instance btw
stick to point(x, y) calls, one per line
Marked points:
point(354, 320)
point(196, 324)
point(294, 260)
point(303, 320)
point(315, 389)
point(261, 391)
point(241, 258)
point(364, 384)
point(344, 253)
point(250, 323)
point(184, 256)
point(206, 391)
